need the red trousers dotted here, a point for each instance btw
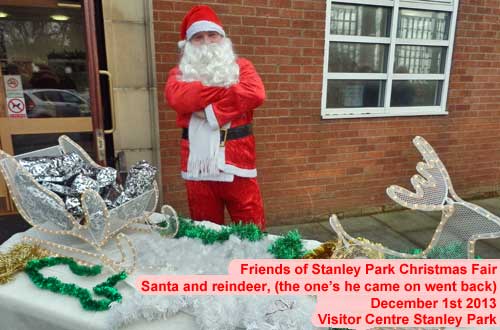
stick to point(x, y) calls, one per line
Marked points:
point(241, 197)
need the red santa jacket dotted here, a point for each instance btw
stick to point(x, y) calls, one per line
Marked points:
point(234, 105)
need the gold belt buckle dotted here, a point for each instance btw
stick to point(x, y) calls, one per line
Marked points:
point(223, 142)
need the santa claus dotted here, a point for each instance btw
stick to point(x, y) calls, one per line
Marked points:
point(214, 93)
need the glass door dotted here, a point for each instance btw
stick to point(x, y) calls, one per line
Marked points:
point(49, 78)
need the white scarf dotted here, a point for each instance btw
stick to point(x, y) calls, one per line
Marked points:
point(206, 156)
point(204, 144)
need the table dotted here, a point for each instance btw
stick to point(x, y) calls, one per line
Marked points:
point(23, 306)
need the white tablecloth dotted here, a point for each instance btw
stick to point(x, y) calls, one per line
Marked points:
point(24, 306)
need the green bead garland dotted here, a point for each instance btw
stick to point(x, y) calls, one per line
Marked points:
point(105, 289)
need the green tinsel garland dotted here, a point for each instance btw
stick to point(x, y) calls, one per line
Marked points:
point(187, 228)
point(105, 289)
point(288, 247)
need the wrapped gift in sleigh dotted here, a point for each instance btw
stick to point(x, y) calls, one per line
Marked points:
point(98, 237)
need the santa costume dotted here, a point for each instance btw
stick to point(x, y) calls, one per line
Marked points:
point(217, 151)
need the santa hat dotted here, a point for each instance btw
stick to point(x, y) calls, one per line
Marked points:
point(198, 19)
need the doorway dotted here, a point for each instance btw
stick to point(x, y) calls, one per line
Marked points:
point(49, 79)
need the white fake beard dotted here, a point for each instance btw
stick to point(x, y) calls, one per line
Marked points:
point(212, 64)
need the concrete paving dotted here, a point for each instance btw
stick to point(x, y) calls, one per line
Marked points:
point(399, 230)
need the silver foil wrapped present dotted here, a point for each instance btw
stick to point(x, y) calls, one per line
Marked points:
point(69, 176)
point(53, 168)
point(37, 167)
point(82, 183)
point(106, 177)
point(89, 170)
point(74, 206)
point(140, 178)
point(60, 189)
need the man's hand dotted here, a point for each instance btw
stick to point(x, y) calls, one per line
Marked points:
point(200, 114)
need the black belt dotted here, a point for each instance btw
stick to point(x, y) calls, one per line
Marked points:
point(227, 134)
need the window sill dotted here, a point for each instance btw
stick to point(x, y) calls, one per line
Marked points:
point(377, 112)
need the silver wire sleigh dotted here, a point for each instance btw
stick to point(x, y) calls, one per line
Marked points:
point(462, 223)
point(100, 238)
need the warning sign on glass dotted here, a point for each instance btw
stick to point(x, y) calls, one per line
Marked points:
point(13, 84)
point(16, 107)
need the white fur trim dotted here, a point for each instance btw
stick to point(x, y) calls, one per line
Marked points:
point(181, 44)
point(222, 177)
point(241, 172)
point(212, 120)
point(227, 176)
point(231, 169)
point(202, 26)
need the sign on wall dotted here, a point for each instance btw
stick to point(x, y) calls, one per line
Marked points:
point(14, 98)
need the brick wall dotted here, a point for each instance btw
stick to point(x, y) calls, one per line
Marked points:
point(308, 167)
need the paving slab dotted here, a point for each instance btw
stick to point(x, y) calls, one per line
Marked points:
point(408, 220)
point(491, 204)
point(486, 251)
point(354, 224)
point(313, 231)
point(433, 214)
point(420, 237)
point(424, 237)
point(495, 242)
point(280, 230)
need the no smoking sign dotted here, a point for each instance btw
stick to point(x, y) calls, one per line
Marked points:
point(12, 83)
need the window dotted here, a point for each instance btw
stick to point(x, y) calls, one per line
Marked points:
point(50, 96)
point(387, 57)
point(70, 98)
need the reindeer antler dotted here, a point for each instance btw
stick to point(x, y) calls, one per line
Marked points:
point(431, 186)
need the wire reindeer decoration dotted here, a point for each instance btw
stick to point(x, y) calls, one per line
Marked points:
point(462, 223)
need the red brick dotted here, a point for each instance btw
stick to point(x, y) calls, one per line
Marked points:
point(320, 166)
point(241, 10)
